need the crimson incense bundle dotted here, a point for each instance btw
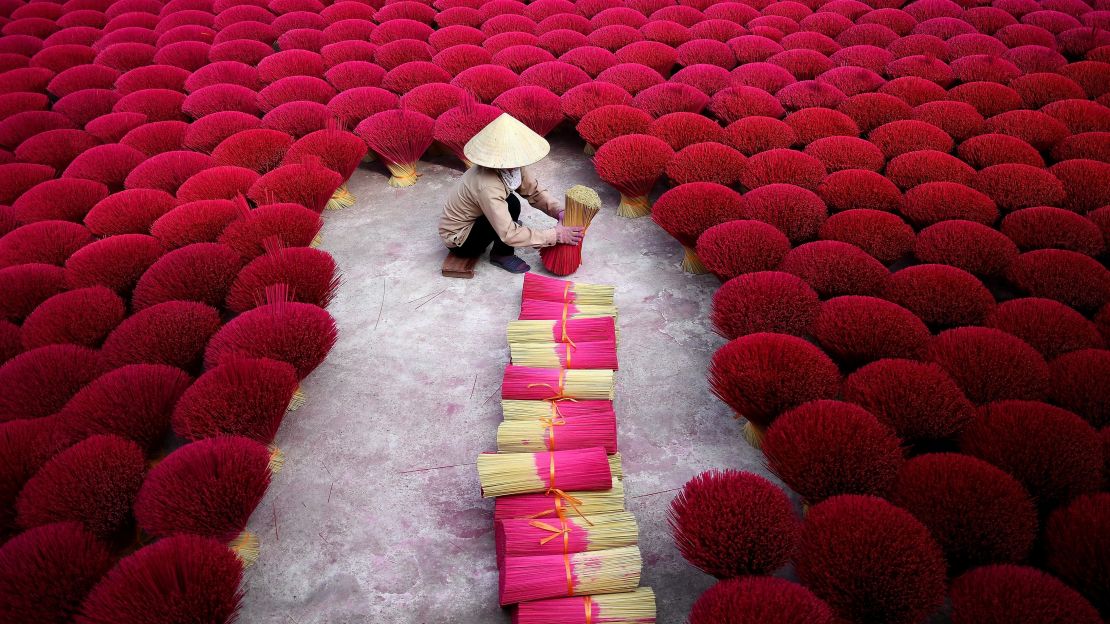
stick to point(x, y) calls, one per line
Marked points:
point(576, 356)
point(634, 607)
point(582, 205)
point(550, 505)
point(522, 537)
point(556, 431)
point(538, 384)
point(552, 289)
point(534, 410)
point(578, 574)
point(571, 330)
point(501, 474)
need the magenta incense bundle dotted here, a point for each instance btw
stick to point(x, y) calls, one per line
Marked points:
point(535, 410)
point(572, 330)
point(571, 356)
point(548, 384)
point(541, 310)
point(557, 432)
point(501, 474)
point(572, 534)
point(544, 288)
point(552, 504)
point(634, 607)
point(570, 574)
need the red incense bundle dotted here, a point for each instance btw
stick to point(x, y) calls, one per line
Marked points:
point(555, 431)
point(551, 505)
point(537, 309)
point(535, 410)
point(582, 205)
point(542, 384)
point(571, 331)
point(551, 289)
point(571, 574)
point(501, 474)
point(634, 607)
point(534, 536)
point(580, 356)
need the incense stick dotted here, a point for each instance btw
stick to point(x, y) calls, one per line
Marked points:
point(557, 432)
point(535, 410)
point(551, 289)
point(553, 536)
point(574, 330)
point(501, 474)
point(576, 574)
point(634, 607)
point(537, 309)
point(578, 356)
point(545, 505)
point(527, 383)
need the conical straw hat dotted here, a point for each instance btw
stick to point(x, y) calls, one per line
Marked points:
point(505, 143)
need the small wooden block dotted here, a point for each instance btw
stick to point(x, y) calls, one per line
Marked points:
point(458, 266)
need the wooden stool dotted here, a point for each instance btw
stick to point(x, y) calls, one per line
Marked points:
point(458, 266)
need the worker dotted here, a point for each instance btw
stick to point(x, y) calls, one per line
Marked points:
point(484, 207)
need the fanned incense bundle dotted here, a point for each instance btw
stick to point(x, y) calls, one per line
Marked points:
point(582, 204)
point(572, 330)
point(501, 474)
point(577, 574)
point(551, 289)
point(556, 432)
point(525, 383)
point(537, 309)
point(585, 355)
point(550, 505)
point(634, 607)
point(533, 536)
point(535, 410)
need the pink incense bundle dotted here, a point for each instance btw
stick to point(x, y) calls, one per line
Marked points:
point(501, 474)
point(557, 432)
point(550, 505)
point(538, 309)
point(521, 537)
point(571, 574)
point(551, 289)
point(634, 607)
point(535, 410)
point(545, 384)
point(571, 330)
point(579, 356)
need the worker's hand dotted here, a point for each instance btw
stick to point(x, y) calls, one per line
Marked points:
point(568, 235)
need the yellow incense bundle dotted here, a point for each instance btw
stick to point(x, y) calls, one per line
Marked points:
point(634, 607)
point(549, 506)
point(582, 205)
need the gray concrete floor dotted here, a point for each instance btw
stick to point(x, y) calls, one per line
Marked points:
point(377, 516)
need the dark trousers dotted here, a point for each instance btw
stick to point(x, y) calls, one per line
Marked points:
point(482, 234)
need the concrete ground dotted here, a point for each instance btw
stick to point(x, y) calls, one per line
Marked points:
point(377, 515)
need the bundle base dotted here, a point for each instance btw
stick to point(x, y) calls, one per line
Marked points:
point(634, 207)
point(297, 400)
point(753, 435)
point(691, 263)
point(246, 547)
point(402, 174)
point(341, 198)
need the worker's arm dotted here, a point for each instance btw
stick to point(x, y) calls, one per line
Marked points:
point(492, 199)
point(538, 197)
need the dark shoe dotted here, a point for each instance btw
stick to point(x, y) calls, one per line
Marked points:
point(512, 264)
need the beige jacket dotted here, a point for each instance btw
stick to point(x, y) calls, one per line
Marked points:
point(481, 192)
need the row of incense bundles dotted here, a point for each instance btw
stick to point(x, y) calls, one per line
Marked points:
point(566, 547)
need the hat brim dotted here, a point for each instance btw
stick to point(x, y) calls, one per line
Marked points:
point(506, 143)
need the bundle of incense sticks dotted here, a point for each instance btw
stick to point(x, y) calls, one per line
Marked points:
point(553, 536)
point(552, 289)
point(539, 310)
point(556, 431)
point(582, 204)
point(571, 574)
point(634, 607)
point(576, 356)
point(546, 384)
point(535, 410)
point(551, 505)
point(522, 473)
point(572, 330)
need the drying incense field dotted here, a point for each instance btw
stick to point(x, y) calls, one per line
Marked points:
point(851, 258)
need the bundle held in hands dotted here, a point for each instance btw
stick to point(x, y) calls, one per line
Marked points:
point(580, 356)
point(555, 431)
point(501, 474)
point(576, 574)
point(582, 204)
point(634, 607)
point(538, 384)
point(574, 330)
point(552, 289)
point(541, 536)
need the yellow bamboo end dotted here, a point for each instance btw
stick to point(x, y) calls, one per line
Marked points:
point(615, 467)
point(525, 410)
point(589, 150)
point(634, 207)
point(615, 530)
point(581, 206)
point(277, 460)
point(535, 354)
point(246, 547)
point(342, 198)
point(634, 607)
point(402, 174)
point(521, 436)
point(753, 434)
point(593, 294)
point(595, 384)
point(691, 263)
point(501, 474)
point(606, 571)
point(530, 331)
point(297, 400)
